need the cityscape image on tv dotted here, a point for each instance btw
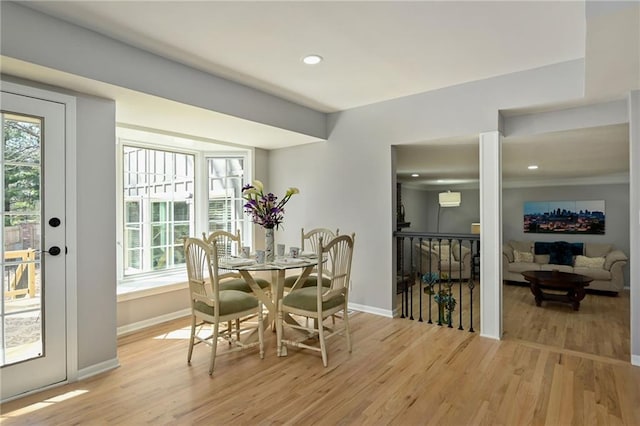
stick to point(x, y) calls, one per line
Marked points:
point(569, 217)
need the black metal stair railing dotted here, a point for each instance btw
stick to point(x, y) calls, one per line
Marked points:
point(437, 277)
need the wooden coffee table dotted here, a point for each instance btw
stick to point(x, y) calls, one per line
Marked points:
point(573, 284)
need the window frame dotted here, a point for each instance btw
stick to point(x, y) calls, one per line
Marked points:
point(202, 151)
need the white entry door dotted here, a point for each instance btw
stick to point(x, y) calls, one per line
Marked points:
point(32, 183)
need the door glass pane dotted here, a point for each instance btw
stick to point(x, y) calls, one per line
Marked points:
point(21, 310)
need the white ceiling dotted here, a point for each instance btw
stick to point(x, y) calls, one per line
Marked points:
point(584, 156)
point(373, 51)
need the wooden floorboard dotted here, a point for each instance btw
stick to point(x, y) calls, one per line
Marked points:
point(401, 372)
point(601, 326)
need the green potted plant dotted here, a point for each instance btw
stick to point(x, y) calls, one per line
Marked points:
point(445, 300)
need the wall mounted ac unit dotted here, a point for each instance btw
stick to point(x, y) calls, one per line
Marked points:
point(449, 199)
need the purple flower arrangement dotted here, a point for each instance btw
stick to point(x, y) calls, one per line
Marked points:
point(265, 209)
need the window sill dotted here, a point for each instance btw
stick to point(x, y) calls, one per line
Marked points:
point(136, 289)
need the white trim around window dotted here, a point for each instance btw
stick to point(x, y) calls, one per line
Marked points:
point(167, 280)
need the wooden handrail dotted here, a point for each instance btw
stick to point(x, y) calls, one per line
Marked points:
point(28, 256)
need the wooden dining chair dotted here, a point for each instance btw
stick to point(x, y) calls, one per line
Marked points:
point(309, 242)
point(318, 302)
point(229, 245)
point(210, 305)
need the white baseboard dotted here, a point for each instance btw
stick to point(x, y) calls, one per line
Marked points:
point(635, 360)
point(136, 326)
point(371, 310)
point(489, 336)
point(98, 368)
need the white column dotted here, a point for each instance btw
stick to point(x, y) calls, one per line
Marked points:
point(491, 235)
point(634, 222)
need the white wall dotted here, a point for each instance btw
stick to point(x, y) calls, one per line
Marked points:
point(96, 213)
point(417, 207)
point(346, 182)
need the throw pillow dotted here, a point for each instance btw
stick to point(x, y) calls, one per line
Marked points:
point(523, 246)
point(522, 256)
point(560, 254)
point(589, 262)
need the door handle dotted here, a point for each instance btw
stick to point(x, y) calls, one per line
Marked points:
point(53, 251)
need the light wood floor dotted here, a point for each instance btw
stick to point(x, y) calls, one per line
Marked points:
point(400, 372)
point(601, 326)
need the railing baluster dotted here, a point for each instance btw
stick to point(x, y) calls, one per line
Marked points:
point(409, 283)
point(435, 280)
point(460, 304)
point(400, 283)
point(420, 291)
point(431, 282)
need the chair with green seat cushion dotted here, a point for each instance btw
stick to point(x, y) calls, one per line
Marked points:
point(307, 299)
point(309, 243)
point(318, 302)
point(231, 301)
point(309, 282)
point(228, 245)
point(241, 285)
point(212, 306)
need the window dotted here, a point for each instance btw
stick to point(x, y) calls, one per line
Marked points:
point(169, 194)
point(158, 208)
point(225, 193)
point(225, 180)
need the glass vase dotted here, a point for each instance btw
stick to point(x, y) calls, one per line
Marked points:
point(269, 251)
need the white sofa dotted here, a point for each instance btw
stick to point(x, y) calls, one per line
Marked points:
point(602, 262)
point(445, 258)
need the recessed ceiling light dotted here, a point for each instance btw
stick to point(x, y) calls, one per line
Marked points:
point(312, 59)
point(415, 175)
point(532, 167)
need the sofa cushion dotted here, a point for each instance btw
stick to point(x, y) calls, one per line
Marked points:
point(597, 250)
point(541, 258)
point(596, 274)
point(523, 266)
point(522, 256)
point(442, 250)
point(455, 267)
point(561, 268)
point(560, 253)
point(445, 249)
point(589, 262)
